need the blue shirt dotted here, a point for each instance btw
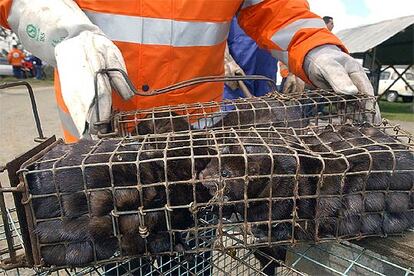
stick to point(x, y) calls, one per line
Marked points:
point(253, 61)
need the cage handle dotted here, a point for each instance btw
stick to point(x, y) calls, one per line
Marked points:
point(41, 137)
point(176, 86)
point(12, 190)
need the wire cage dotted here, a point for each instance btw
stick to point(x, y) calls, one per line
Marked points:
point(159, 194)
point(313, 107)
point(241, 262)
point(325, 259)
point(181, 192)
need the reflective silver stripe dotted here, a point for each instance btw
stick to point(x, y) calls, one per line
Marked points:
point(156, 31)
point(282, 56)
point(284, 36)
point(248, 3)
point(68, 123)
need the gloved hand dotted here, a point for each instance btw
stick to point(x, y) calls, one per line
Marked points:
point(293, 84)
point(231, 69)
point(328, 67)
point(91, 53)
point(60, 33)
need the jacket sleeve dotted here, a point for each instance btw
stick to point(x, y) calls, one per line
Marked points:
point(5, 6)
point(287, 28)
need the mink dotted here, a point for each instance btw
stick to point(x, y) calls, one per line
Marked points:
point(101, 203)
point(371, 224)
point(232, 170)
point(79, 245)
point(54, 255)
point(397, 202)
point(374, 202)
point(161, 122)
point(398, 222)
point(353, 169)
point(262, 112)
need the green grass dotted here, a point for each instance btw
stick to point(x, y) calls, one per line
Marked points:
point(397, 111)
point(32, 81)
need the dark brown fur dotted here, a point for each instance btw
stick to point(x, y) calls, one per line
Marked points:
point(161, 122)
point(358, 163)
point(262, 112)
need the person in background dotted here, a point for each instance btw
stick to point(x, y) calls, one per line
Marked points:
point(246, 58)
point(15, 58)
point(33, 65)
point(37, 66)
point(27, 67)
point(329, 22)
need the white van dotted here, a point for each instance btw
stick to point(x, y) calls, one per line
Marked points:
point(399, 89)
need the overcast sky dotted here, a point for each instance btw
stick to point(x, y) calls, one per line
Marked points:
point(352, 13)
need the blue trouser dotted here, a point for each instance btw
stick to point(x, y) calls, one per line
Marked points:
point(38, 71)
point(17, 72)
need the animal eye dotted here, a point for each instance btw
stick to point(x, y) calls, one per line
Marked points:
point(225, 173)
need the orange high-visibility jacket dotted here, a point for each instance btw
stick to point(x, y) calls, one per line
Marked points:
point(15, 57)
point(164, 42)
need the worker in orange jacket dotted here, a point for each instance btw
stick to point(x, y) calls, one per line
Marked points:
point(164, 42)
point(15, 58)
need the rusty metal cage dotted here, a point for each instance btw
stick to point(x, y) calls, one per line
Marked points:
point(147, 195)
point(313, 107)
point(325, 259)
point(178, 182)
point(229, 262)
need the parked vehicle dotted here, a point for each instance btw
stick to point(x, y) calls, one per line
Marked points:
point(399, 89)
point(5, 68)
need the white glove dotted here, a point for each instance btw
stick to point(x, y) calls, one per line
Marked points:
point(81, 51)
point(78, 59)
point(328, 67)
point(293, 84)
point(231, 69)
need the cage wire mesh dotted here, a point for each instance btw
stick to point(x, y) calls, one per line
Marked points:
point(313, 107)
point(211, 263)
point(149, 195)
point(326, 259)
point(227, 199)
point(12, 224)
